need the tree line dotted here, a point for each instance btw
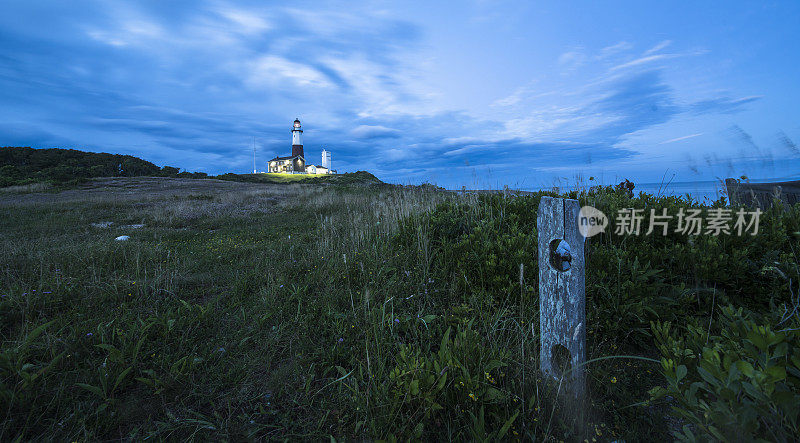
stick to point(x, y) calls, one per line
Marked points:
point(25, 165)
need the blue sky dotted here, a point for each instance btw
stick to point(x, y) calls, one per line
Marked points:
point(477, 93)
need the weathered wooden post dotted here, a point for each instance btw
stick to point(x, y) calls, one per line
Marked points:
point(562, 296)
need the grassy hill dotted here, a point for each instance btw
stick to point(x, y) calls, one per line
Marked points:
point(359, 177)
point(239, 311)
point(25, 166)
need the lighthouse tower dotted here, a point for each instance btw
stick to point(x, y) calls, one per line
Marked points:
point(326, 159)
point(297, 139)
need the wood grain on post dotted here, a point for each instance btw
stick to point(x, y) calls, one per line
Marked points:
point(562, 294)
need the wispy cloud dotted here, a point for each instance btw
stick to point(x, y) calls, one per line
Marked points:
point(723, 104)
point(641, 61)
point(614, 49)
point(572, 60)
point(374, 131)
point(245, 21)
point(275, 71)
point(658, 47)
point(685, 137)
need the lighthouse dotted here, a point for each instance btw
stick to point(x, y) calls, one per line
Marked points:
point(296, 163)
point(297, 139)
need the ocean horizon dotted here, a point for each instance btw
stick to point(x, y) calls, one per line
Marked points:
point(701, 190)
point(704, 191)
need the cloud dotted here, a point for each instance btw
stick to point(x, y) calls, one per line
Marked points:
point(685, 137)
point(24, 134)
point(642, 60)
point(614, 49)
point(651, 55)
point(639, 101)
point(246, 22)
point(605, 111)
point(627, 105)
point(519, 94)
point(525, 155)
point(572, 60)
point(724, 105)
point(374, 131)
point(275, 71)
point(129, 28)
point(658, 47)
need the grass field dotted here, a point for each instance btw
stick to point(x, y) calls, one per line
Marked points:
point(360, 177)
point(357, 311)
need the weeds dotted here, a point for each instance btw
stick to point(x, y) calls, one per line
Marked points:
point(244, 311)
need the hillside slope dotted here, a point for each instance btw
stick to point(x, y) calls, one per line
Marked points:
point(358, 177)
point(25, 165)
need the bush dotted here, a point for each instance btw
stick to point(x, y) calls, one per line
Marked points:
point(169, 171)
point(462, 378)
point(740, 384)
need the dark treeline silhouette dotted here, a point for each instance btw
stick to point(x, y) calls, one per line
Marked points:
point(24, 165)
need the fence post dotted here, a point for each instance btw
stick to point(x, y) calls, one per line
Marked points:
point(562, 294)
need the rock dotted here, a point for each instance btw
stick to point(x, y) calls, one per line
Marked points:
point(122, 238)
point(103, 225)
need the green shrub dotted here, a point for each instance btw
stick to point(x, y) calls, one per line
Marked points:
point(740, 384)
point(460, 379)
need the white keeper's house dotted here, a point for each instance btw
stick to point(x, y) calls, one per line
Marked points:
point(296, 163)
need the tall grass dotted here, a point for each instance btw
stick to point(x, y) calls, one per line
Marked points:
point(303, 312)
